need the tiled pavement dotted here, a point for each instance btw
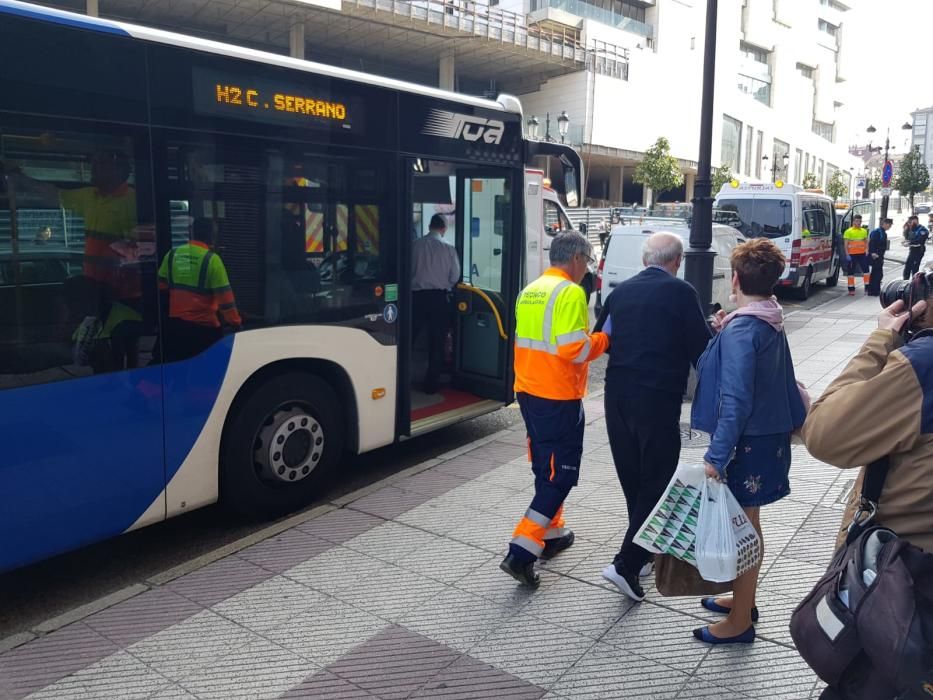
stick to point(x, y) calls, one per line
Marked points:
point(398, 594)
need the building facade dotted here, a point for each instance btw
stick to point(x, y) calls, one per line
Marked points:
point(779, 88)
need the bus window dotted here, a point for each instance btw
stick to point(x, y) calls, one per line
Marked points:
point(299, 234)
point(77, 255)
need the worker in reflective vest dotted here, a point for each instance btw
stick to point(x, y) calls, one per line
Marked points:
point(856, 242)
point(199, 295)
point(552, 352)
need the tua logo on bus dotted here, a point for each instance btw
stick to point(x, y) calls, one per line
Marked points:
point(450, 125)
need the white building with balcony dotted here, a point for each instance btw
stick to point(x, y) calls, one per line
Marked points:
point(780, 69)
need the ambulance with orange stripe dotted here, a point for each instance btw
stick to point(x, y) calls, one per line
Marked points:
point(801, 222)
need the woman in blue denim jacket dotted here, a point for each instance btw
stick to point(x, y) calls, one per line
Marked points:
point(747, 399)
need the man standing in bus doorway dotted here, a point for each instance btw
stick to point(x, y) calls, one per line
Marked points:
point(552, 355)
point(877, 248)
point(435, 270)
point(856, 242)
point(916, 237)
point(199, 295)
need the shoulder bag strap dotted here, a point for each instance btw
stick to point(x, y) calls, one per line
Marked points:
point(872, 484)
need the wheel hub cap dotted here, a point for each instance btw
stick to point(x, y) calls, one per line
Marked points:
point(290, 446)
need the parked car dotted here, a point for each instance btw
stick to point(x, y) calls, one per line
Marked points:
point(921, 209)
point(622, 254)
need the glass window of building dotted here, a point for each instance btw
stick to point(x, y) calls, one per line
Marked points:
point(759, 89)
point(798, 165)
point(731, 142)
point(759, 150)
point(824, 130)
point(806, 71)
point(828, 28)
point(754, 74)
point(780, 169)
point(749, 134)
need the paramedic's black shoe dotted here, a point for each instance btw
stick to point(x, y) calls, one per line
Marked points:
point(523, 572)
point(627, 583)
point(557, 545)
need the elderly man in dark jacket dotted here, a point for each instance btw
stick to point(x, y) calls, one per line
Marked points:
point(658, 330)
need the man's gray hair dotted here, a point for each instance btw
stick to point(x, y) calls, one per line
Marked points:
point(566, 244)
point(661, 249)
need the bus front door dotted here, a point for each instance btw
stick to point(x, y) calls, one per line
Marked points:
point(489, 243)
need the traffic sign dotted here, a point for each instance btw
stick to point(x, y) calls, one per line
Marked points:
point(860, 183)
point(885, 191)
point(887, 173)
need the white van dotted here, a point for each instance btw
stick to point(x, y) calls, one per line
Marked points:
point(545, 218)
point(622, 258)
point(802, 223)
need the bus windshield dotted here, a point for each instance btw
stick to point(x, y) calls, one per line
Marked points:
point(756, 217)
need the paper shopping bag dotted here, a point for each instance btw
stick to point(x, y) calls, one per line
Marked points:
point(671, 526)
point(674, 577)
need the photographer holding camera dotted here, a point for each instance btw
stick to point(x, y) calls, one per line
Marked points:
point(881, 405)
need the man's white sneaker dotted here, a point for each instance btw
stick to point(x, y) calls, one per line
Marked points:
point(646, 570)
point(627, 584)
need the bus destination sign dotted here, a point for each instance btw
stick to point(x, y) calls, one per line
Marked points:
point(243, 97)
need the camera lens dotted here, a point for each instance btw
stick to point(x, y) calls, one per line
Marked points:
point(894, 290)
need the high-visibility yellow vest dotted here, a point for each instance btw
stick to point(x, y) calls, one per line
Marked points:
point(198, 286)
point(552, 346)
point(856, 239)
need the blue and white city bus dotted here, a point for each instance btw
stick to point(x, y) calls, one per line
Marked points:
point(115, 140)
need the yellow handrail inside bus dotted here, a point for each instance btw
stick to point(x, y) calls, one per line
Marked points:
point(485, 297)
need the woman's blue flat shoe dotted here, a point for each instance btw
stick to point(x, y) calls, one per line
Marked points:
point(704, 635)
point(711, 605)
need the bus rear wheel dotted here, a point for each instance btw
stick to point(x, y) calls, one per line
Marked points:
point(281, 446)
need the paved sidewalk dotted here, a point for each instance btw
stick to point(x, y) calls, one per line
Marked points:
point(399, 594)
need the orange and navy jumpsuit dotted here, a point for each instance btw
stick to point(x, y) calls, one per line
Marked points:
point(199, 296)
point(856, 242)
point(552, 352)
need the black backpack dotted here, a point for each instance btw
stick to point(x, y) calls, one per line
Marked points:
point(879, 646)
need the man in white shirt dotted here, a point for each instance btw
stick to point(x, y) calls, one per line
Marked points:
point(435, 271)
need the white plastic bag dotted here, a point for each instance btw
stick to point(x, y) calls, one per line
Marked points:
point(671, 527)
point(716, 552)
point(727, 544)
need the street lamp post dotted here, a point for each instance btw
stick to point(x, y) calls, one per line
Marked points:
point(533, 124)
point(563, 125)
point(885, 198)
point(698, 259)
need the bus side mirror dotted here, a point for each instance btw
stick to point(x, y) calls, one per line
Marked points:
point(570, 187)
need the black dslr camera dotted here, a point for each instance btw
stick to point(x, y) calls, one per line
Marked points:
point(918, 288)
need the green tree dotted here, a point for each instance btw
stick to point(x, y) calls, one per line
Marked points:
point(659, 170)
point(838, 186)
point(721, 176)
point(874, 184)
point(912, 176)
point(810, 182)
